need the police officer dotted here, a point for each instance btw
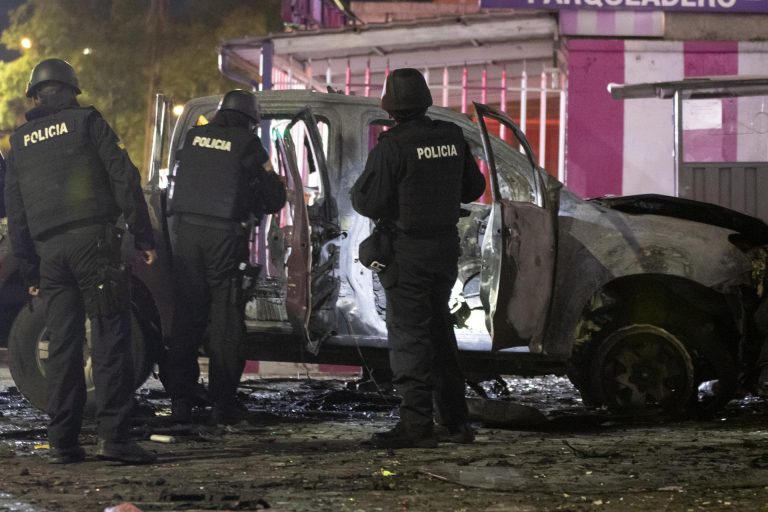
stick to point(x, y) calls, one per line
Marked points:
point(223, 177)
point(68, 180)
point(415, 178)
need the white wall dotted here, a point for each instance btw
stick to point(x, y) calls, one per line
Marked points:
point(648, 126)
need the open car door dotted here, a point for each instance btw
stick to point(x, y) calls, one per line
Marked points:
point(295, 224)
point(158, 176)
point(518, 253)
point(312, 214)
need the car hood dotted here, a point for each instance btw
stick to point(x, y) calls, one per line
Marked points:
point(753, 231)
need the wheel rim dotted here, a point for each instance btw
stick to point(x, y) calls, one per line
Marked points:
point(41, 359)
point(644, 367)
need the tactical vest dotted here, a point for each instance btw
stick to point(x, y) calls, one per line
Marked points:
point(61, 177)
point(429, 190)
point(209, 179)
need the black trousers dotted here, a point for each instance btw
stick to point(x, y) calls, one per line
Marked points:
point(207, 296)
point(422, 344)
point(69, 276)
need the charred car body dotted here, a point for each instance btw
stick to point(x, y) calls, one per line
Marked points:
point(644, 301)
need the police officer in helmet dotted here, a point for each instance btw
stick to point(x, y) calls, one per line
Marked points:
point(223, 178)
point(68, 180)
point(415, 179)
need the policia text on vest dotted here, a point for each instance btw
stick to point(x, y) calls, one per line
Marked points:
point(444, 151)
point(208, 142)
point(45, 133)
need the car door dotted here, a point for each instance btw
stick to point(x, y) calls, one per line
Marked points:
point(314, 219)
point(157, 182)
point(295, 224)
point(518, 252)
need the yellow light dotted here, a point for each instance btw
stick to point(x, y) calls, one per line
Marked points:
point(87, 51)
point(178, 109)
point(26, 43)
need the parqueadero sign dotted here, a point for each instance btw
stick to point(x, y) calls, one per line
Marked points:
point(724, 6)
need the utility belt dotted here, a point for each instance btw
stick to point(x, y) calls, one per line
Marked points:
point(74, 227)
point(210, 222)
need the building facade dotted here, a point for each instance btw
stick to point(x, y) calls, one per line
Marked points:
point(549, 63)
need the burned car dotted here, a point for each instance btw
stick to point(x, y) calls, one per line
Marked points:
point(645, 302)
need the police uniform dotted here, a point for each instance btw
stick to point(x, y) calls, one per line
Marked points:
point(68, 180)
point(220, 181)
point(416, 177)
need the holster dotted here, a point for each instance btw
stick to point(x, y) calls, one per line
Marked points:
point(112, 291)
point(249, 276)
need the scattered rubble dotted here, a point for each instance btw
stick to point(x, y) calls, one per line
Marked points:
point(300, 451)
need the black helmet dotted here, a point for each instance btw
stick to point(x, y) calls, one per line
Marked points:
point(52, 70)
point(406, 89)
point(241, 101)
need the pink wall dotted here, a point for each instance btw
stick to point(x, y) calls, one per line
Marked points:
point(595, 128)
point(712, 58)
point(596, 133)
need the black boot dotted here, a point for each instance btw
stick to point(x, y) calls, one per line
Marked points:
point(403, 437)
point(460, 433)
point(124, 451)
point(229, 414)
point(68, 455)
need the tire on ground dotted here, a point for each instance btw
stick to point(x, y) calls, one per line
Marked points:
point(702, 346)
point(28, 350)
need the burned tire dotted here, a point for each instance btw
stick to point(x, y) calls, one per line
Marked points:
point(680, 370)
point(28, 351)
point(643, 367)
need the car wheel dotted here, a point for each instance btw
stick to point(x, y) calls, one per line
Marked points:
point(679, 370)
point(643, 367)
point(28, 353)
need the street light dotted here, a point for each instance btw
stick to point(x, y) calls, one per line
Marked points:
point(87, 51)
point(26, 43)
point(177, 110)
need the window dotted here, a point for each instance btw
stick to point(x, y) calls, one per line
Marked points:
point(514, 171)
point(306, 158)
